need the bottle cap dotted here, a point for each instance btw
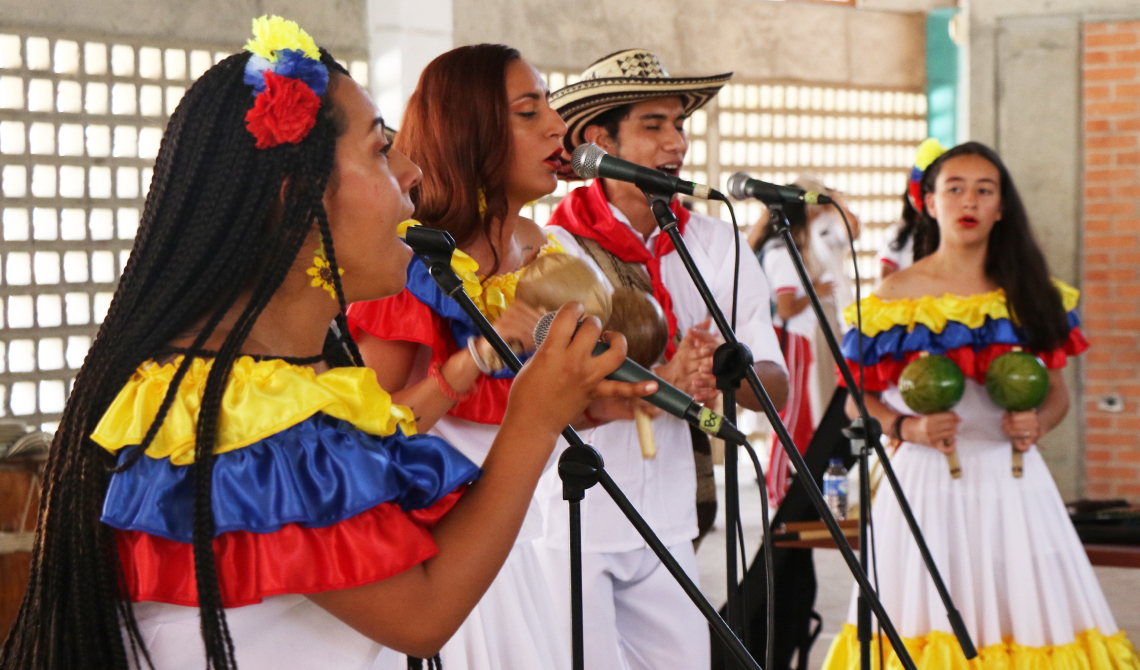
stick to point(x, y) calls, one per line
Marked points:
point(837, 461)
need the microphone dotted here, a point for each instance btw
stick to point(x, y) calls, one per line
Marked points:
point(668, 397)
point(742, 187)
point(590, 161)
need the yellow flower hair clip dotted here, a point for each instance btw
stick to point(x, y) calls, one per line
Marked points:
point(273, 33)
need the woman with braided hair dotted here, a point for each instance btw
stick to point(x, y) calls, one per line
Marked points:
point(226, 485)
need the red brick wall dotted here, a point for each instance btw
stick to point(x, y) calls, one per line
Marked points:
point(1112, 256)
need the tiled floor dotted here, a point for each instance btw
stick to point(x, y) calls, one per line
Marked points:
point(1121, 586)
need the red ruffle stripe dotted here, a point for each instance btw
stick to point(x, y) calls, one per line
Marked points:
point(404, 318)
point(973, 364)
point(373, 545)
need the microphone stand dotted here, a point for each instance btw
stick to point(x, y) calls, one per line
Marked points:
point(865, 433)
point(667, 221)
point(580, 466)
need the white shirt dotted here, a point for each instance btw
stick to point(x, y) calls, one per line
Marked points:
point(896, 260)
point(831, 246)
point(783, 278)
point(662, 489)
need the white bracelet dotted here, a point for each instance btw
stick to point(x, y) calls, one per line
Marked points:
point(479, 362)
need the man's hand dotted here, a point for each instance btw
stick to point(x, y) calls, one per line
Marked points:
point(690, 369)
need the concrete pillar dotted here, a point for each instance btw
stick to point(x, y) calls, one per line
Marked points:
point(403, 37)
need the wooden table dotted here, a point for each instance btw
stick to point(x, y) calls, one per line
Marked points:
point(1107, 555)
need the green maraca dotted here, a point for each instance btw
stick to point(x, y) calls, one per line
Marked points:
point(932, 384)
point(1017, 381)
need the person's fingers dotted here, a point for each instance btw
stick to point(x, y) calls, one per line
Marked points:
point(589, 332)
point(609, 388)
point(563, 326)
point(648, 409)
point(609, 360)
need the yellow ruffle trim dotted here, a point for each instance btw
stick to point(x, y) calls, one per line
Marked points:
point(492, 295)
point(934, 313)
point(260, 400)
point(940, 651)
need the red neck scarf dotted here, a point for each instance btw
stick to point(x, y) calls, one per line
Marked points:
point(586, 213)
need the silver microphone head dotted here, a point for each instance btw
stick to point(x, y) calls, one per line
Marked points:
point(542, 329)
point(586, 159)
point(736, 185)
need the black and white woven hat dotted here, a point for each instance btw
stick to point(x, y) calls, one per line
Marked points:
point(623, 78)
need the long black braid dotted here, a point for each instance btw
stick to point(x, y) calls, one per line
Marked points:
point(206, 237)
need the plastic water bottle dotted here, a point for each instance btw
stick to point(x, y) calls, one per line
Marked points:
point(835, 488)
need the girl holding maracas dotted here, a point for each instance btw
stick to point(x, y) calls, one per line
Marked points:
point(1009, 554)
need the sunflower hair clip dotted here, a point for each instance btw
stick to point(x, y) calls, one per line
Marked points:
point(288, 80)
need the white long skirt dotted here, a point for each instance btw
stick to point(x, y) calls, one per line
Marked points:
point(511, 627)
point(1005, 546)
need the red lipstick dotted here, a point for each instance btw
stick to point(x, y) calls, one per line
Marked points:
point(555, 160)
point(968, 222)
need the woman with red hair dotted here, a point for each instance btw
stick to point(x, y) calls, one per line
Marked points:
point(481, 166)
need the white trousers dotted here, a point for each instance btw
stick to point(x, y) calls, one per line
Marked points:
point(635, 615)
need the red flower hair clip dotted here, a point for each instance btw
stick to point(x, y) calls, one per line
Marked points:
point(288, 80)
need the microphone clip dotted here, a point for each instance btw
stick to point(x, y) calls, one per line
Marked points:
point(435, 248)
point(666, 219)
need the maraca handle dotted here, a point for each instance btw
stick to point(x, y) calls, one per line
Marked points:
point(645, 434)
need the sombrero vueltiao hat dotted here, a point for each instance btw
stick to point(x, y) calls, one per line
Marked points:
point(624, 78)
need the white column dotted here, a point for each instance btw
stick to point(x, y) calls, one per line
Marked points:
point(403, 37)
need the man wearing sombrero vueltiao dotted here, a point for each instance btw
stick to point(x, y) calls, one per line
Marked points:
point(636, 616)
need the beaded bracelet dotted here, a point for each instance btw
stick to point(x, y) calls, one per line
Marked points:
point(435, 371)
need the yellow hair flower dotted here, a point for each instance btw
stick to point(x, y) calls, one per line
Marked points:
point(271, 33)
point(928, 152)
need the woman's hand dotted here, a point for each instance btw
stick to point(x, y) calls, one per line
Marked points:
point(516, 326)
point(933, 430)
point(1023, 428)
point(690, 369)
point(564, 377)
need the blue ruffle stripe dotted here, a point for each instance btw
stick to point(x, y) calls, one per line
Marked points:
point(898, 341)
point(423, 287)
point(316, 473)
point(291, 63)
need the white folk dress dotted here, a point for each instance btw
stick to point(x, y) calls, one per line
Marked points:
point(1005, 546)
point(514, 625)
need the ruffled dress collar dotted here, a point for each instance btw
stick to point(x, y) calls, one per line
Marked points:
point(971, 330)
point(320, 482)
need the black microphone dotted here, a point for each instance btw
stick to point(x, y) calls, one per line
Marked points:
point(742, 187)
point(590, 161)
point(668, 397)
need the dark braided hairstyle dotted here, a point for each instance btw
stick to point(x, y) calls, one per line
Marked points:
point(213, 230)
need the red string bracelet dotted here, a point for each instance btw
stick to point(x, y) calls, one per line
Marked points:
point(435, 371)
